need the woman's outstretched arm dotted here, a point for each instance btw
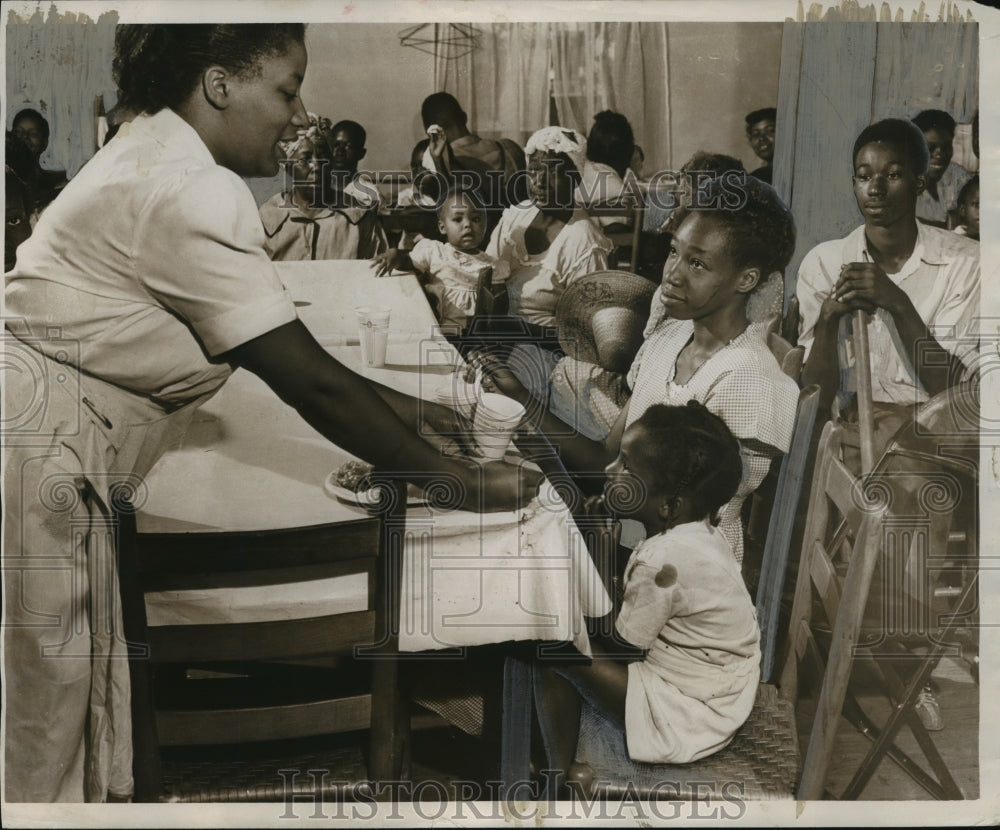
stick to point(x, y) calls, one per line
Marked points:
point(343, 407)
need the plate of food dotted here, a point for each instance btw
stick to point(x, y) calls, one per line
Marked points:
point(350, 483)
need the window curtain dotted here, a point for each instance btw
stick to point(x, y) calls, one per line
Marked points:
point(58, 66)
point(617, 66)
point(503, 84)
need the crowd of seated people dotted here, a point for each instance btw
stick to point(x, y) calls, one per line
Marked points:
point(326, 211)
point(529, 216)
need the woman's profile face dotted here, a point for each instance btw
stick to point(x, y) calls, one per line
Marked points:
point(264, 109)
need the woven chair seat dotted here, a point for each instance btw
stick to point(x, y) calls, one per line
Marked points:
point(337, 773)
point(760, 763)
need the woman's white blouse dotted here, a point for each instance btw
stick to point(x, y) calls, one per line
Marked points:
point(151, 263)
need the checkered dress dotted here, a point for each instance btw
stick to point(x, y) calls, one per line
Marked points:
point(741, 383)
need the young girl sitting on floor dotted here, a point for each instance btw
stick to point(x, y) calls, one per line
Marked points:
point(686, 616)
point(452, 268)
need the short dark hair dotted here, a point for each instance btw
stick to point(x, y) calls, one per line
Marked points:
point(353, 129)
point(765, 114)
point(611, 140)
point(442, 109)
point(966, 192)
point(30, 113)
point(693, 454)
point(905, 135)
point(760, 229)
point(158, 65)
point(935, 120)
point(469, 193)
point(713, 163)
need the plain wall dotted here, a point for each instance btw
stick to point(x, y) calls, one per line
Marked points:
point(719, 72)
point(359, 71)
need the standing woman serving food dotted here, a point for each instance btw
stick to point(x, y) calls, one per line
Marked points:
point(144, 285)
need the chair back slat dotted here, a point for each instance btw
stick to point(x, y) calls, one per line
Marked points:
point(824, 579)
point(272, 640)
point(201, 727)
point(179, 553)
point(631, 210)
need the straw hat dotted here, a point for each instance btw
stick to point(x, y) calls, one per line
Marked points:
point(601, 317)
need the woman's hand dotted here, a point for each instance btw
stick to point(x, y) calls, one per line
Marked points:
point(503, 486)
point(386, 262)
point(496, 376)
point(448, 430)
point(865, 286)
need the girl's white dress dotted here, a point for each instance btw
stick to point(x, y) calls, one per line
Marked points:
point(685, 602)
point(454, 276)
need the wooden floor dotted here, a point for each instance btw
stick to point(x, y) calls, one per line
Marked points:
point(958, 697)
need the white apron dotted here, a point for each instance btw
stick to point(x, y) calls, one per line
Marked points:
point(69, 439)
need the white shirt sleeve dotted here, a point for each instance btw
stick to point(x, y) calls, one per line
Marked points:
point(650, 596)
point(199, 250)
point(812, 287)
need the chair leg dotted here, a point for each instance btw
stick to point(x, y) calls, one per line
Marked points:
point(515, 741)
point(389, 729)
point(884, 747)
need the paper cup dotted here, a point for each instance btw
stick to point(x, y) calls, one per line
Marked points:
point(373, 332)
point(496, 418)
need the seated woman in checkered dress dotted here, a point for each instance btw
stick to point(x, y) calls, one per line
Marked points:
point(704, 349)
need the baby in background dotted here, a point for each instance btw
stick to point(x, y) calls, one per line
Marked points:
point(680, 673)
point(450, 270)
point(968, 209)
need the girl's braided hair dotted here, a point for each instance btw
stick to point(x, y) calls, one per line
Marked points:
point(695, 454)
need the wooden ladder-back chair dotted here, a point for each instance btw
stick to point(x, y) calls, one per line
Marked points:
point(858, 527)
point(763, 757)
point(226, 686)
point(629, 236)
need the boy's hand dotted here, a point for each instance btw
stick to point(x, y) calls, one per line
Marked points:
point(385, 262)
point(865, 286)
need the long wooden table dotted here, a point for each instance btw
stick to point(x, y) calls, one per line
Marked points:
point(249, 461)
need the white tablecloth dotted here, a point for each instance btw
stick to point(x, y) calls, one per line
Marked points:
point(249, 461)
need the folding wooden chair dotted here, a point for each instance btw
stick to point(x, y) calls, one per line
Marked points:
point(843, 524)
point(232, 689)
point(855, 525)
point(763, 757)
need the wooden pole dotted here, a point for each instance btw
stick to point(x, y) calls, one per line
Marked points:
point(863, 373)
